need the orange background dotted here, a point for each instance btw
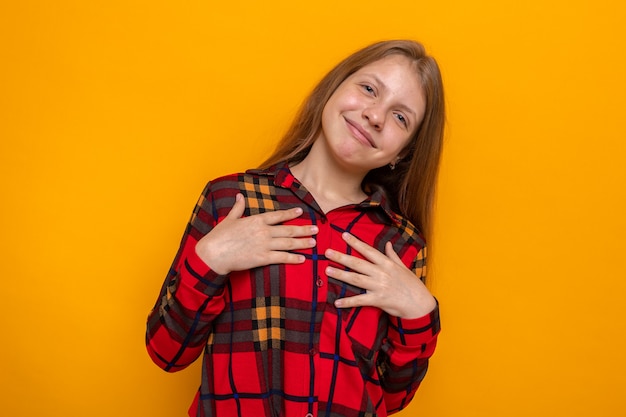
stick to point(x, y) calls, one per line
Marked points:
point(114, 114)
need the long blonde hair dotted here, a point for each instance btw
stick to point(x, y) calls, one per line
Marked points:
point(410, 187)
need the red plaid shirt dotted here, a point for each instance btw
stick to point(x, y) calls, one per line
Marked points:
point(274, 344)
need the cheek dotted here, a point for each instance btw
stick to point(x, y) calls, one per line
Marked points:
point(400, 140)
point(343, 100)
point(325, 118)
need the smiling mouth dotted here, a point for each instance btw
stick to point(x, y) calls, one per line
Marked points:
point(359, 133)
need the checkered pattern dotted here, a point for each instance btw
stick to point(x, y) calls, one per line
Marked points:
point(273, 342)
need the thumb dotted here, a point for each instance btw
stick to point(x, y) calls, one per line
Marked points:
point(238, 208)
point(392, 254)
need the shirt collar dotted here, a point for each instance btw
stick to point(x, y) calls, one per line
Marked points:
point(285, 179)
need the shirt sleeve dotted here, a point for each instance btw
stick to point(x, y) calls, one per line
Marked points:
point(406, 351)
point(190, 298)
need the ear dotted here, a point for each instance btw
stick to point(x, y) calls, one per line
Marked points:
point(405, 152)
point(396, 159)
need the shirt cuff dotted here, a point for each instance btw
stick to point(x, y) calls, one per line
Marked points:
point(198, 281)
point(419, 333)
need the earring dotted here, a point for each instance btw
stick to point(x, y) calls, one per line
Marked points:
point(392, 166)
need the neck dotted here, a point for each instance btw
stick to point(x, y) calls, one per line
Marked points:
point(330, 185)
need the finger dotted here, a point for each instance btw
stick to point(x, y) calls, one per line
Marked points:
point(286, 244)
point(293, 231)
point(281, 216)
point(281, 257)
point(363, 248)
point(354, 301)
point(352, 262)
point(238, 208)
point(352, 278)
point(392, 253)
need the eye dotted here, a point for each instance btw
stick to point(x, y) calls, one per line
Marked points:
point(402, 119)
point(369, 89)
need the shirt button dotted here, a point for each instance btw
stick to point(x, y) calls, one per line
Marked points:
point(320, 282)
point(313, 352)
point(309, 415)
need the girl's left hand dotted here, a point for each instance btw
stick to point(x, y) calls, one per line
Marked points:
point(388, 283)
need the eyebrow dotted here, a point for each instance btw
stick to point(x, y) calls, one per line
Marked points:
point(402, 106)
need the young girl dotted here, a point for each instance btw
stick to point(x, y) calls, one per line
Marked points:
point(302, 281)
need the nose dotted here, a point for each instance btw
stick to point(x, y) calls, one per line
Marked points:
point(374, 116)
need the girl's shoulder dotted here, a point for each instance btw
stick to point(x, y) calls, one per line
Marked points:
point(239, 180)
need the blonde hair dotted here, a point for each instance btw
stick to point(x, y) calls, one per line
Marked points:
point(411, 186)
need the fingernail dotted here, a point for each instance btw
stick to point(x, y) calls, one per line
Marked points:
point(314, 229)
point(346, 235)
point(338, 303)
point(298, 210)
point(312, 242)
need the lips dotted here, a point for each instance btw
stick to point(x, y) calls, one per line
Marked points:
point(359, 133)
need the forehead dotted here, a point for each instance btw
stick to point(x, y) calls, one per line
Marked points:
point(392, 68)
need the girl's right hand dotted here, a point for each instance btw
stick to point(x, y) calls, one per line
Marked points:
point(238, 244)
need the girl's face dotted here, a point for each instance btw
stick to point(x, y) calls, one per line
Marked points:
point(372, 115)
